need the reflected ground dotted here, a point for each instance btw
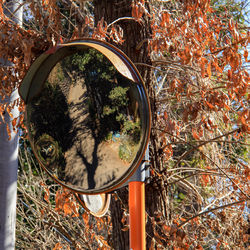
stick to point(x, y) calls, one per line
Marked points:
point(85, 124)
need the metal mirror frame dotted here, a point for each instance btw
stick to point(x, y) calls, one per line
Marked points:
point(105, 197)
point(39, 71)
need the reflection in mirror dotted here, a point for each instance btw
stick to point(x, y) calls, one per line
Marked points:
point(85, 124)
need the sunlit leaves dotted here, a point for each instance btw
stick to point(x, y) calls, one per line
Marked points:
point(66, 203)
point(246, 55)
point(196, 39)
point(1, 10)
point(111, 32)
point(47, 193)
point(201, 54)
point(60, 246)
point(138, 9)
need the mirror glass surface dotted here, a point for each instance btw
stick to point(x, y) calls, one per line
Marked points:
point(85, 125)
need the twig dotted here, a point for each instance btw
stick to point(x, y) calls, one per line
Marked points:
point(139, 45)
point(202, 144)
point(174, 63)
point(122, 18)
point(150, 66)
point(191, 187)
point(215, 200)
point(77, 8)
point(186, 177)
point(239, 142)
point(228, 46)
point(196, 147)
point(211, 210)
point(68, 20)
point(193, 93)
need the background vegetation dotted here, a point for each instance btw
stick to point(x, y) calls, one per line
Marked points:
point(193, 56)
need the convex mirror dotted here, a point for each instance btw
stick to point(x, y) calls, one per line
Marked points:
point(87, 114)
point(97, 205)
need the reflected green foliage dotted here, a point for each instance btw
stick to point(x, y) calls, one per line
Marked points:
point(119, 100)
point(108, 93)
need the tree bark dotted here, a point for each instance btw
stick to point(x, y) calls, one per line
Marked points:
point(135, 47)
point(9, 158)
point(8, 183)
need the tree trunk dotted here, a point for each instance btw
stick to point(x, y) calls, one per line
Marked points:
point(8, 183)
point(9, 159)
point(135, 47)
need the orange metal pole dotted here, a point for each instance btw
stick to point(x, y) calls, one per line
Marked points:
point(137, 215)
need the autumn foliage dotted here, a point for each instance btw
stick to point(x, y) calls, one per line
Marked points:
point(199, 94)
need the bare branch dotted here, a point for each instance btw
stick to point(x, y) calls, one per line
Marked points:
point(211, 210)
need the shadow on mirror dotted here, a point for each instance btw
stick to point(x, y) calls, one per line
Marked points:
point(85, 124)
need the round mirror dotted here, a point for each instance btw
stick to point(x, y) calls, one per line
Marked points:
point(88, 122)
point(97, 205)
